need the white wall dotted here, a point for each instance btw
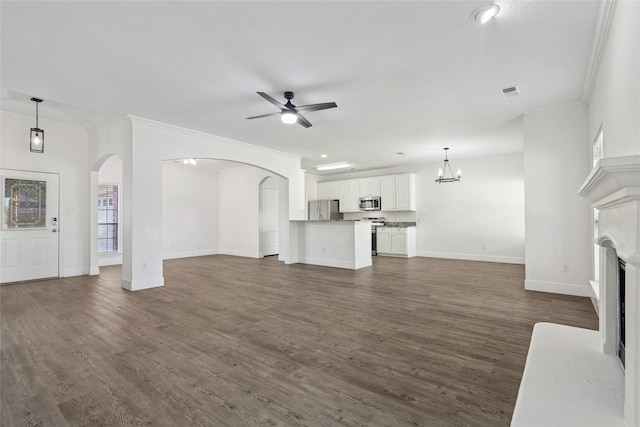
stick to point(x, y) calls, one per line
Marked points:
point(189, 210)
point(615, 101)
point(154, 142)
point(239, 197)
point(480, 218)
point(65, 153)
point(557, 158)
point(455, 220)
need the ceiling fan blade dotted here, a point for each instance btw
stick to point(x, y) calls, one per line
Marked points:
point(316, 107)
point(304, 122)
point(265, 115)
point(272, 100)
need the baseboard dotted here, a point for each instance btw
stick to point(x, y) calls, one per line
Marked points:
point(558, 288)
point(190, 254)
point(110, 260)
point(94, 271)
point(236, 252)
point(336, 263)
point(472, 257)
point(140, 284)
point(71, 272)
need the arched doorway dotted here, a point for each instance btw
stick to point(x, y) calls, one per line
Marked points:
point(269, 217)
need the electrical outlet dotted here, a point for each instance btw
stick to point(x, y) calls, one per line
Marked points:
point(484, 247)
point(144, 265)
point(565, 268)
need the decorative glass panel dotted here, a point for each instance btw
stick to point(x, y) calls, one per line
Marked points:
point(25, 203)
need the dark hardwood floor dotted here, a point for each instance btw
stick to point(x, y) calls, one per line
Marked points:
point(233, 341)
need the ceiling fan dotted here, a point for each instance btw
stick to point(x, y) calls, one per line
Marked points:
point(290, 113)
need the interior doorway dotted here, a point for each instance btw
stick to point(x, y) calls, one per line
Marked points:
point(269, 217)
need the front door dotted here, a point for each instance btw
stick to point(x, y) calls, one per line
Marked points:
point(30, 217)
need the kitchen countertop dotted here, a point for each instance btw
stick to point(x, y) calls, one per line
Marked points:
point(399, 224)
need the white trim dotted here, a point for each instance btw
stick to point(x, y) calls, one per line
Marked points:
point(612, 182)
point(190, 254)
point(472, 257)
point(141, 284)
point(235, 252)
point(78, 271)
point(198, 134)
point(44, 122)
point(605, 15)
point(558, 288)
point(336, 263)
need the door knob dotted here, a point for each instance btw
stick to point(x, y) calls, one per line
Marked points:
point(55, 230)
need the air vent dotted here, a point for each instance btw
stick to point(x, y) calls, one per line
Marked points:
point(510, 92)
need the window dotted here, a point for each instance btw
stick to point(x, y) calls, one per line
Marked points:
point(25, 204)
point(108, 218)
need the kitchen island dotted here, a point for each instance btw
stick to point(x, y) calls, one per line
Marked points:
point(341, 243)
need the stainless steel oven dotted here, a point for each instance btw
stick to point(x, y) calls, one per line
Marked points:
point(375, 223)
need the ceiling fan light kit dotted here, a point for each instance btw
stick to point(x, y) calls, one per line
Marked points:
point(290, 113)
point(442, 172)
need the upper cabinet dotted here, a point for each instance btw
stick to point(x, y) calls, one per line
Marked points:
point(329, 190)
point(369, 186)
point(349, 195)
point(397, 192)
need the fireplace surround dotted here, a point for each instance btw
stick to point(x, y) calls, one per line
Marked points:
point(613, 187)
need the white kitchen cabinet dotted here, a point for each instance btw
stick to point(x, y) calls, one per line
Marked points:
point(396, 241)
point(383, 242)
point(334, 190)
point(398, 192)
point(349, 193)
point(369, 187)
point(329, 190)
point(323, 190)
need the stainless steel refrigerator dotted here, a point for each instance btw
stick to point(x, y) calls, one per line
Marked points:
point(324, 210)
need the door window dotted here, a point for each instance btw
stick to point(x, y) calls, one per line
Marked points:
point(25, 204)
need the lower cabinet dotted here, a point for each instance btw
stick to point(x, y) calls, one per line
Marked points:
point(396, 241)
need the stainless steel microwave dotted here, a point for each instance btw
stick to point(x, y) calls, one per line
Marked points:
point(370, 203)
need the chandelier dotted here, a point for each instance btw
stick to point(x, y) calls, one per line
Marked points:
point(447, 167)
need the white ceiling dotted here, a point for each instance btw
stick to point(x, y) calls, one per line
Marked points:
point(408, 77)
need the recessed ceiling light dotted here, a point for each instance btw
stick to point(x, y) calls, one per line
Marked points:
point(485, 13)
point(323, 155)
point(332, 166)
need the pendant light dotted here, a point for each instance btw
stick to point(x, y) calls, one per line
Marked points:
point(447, 167)
point(36, 140)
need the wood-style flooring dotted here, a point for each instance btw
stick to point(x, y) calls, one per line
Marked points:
point(232, 341)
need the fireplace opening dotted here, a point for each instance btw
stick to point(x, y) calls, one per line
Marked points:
point(622, 265)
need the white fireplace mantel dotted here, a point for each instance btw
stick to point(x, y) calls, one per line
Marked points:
point(612, 182)
point(613, 187)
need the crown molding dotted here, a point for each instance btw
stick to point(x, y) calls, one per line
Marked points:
point(603, 23)
point(199, 134)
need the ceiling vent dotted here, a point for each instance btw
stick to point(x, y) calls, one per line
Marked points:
point(510, 92)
